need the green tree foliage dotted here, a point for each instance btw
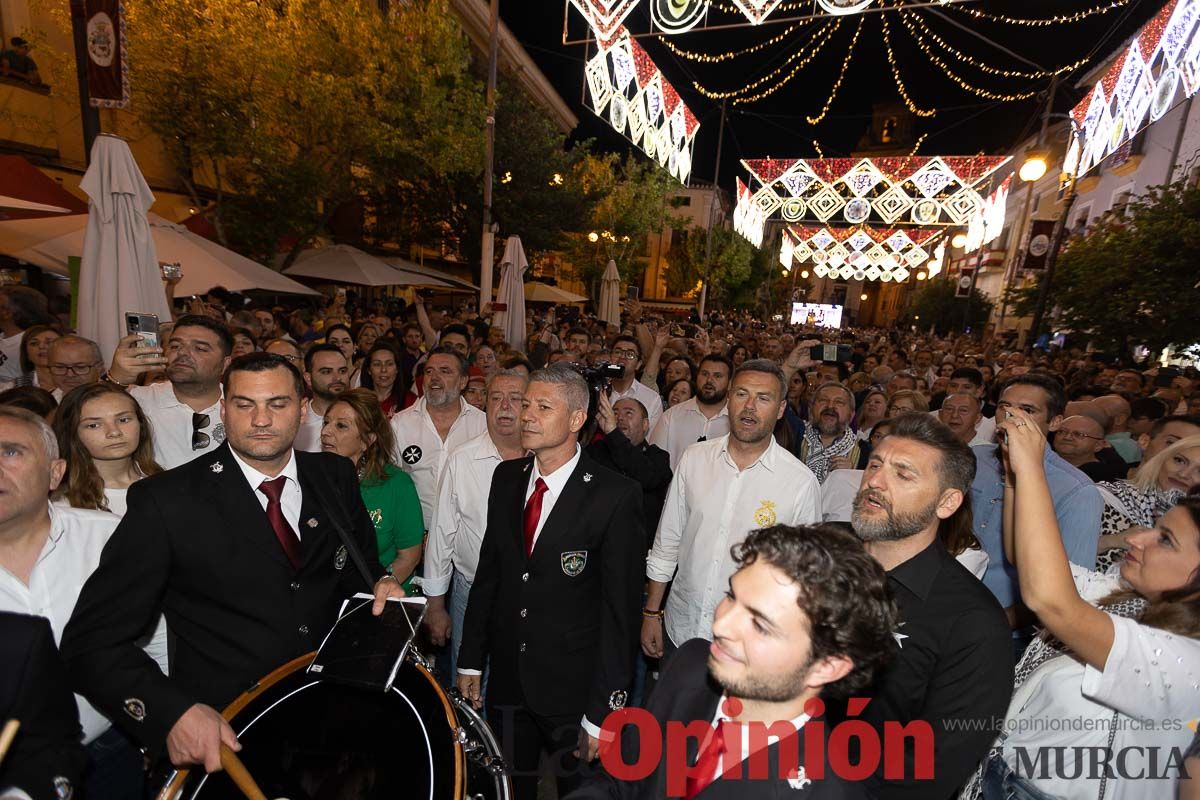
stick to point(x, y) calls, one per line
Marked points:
point(1131, 280)
point(283, 111)
point(936, 305)
point(728, 269)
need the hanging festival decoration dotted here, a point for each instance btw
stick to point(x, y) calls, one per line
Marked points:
point(641, 104)
point(677, 16)
point(986, 224)
point(860, 253)
point(931, 191)
point(1143, 82)
point(756, 10)
point(604, 17)
point(748, 218)
point(844, 6)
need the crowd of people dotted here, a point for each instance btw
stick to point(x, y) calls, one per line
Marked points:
point(701, 519)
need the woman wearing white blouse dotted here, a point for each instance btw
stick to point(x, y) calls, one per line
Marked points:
point(1118, 666)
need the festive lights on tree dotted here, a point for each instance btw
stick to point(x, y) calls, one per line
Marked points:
point(1142, 82)
point(641, 104)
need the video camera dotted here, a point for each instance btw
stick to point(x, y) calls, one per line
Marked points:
point(598, 378)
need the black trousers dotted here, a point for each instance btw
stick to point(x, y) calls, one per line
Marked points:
point(524, 736)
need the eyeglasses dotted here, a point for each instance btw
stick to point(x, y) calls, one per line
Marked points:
point(625, 355)
point(293, 359)
point(200, 439)
point(1069, 435)
point(74, 369)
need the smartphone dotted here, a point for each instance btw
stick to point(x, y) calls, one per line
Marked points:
point(830, 353)
point(633, 292)
point(145, 326)
point(172, 271)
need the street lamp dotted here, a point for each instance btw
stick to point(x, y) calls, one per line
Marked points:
point(1035, 166)
point(959, 241)
point(804, 274)
point(921, 276)
point(863, 296)
point(593, 237)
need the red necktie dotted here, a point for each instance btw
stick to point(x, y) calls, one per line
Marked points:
point(533, 513)
point(283, 531)
point(708, 764)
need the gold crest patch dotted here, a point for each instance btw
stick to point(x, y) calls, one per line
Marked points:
point(765, 515)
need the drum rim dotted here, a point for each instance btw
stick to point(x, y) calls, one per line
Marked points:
point(175, 781)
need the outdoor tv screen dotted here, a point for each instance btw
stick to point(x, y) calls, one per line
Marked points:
point(823, 315)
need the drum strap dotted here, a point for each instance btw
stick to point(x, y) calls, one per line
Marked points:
point(351, 546)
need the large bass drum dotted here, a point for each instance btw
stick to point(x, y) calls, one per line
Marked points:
point(307, 739)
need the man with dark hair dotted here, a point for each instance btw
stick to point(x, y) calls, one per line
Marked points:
point(1143, 413)
point(576, 344)
point(700, 418)
point(955, 660)
point(627, 353)
point(970, 381)
point(624, 450)
point(20, 307)
point(16, 63)
point(901, 381)
point(723, 489)
point(184, 411)
point(253, 520)
point(1077, 503)
point(326, 374)
point(1166, 432)
point(553, 610)
point(441, 420)
point(807, 615)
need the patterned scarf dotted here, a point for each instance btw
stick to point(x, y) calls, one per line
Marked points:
point(1142, 506)
point(817, 456)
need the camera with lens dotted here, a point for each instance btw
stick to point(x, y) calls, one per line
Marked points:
point(598, 377)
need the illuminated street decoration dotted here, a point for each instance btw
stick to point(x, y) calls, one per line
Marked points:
point(748, 218)
point(604, 17)
point(677, 16)
point(986, 225)
point(1160, 68)
point(861, 252)
point(929, 191)
point(756, 10)
point(626, 88)
point(844, 6)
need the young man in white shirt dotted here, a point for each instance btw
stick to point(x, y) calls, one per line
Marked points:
point(723, 489)
point(326, 372)
point(703, 417)
point(184, 412)
point(460, 517)
point(627, 353)
point(438, 422)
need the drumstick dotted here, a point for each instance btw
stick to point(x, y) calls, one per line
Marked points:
point(7, 735)
point(240, 775)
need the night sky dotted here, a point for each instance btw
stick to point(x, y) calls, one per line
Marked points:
point(965, 124)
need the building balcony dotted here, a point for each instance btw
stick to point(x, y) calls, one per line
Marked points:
point(27, 118)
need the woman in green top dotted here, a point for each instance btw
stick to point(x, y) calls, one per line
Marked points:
point(356, 428)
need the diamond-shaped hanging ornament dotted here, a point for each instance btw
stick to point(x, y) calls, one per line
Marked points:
point(864, 177)
point(597, 80)
point(900, 274)
point(932, 178)
point(859, 240)
point(604, 16)
point(891, 204)
point(652, 96)
point(873, 273)
point(898, 241)
point(820, 270)
point(756, 10)
point(877, 254)
point(796, 182)
point(793, 209)
point(802, 251)
point(822, 240)
point(622, 61)
point(825, 203)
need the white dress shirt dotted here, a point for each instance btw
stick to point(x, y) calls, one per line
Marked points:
point(68, 558)
point(460, 516)
point(308, 437)
point(421, 452)
point(710, 507)
point(10, 357)
point(555, 482)
point(643, 394)
point(290, 501)
point(683, 425)
point(171, 424)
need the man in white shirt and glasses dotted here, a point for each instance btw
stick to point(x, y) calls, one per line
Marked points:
point(627, 353)
point(460, 517)
point(703, 417)
point(723, 489)
point(184, 412)
point(73, 361)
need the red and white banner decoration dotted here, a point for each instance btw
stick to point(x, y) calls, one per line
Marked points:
point(986, 224)
point(626, 88)
point(858, 253)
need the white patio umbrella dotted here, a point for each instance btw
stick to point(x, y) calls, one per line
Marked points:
point(610, 294)
point(120, 270)
point(545, 293)
point(18, 204)
point(205, 263)
point(511, 294)
point(344, 264)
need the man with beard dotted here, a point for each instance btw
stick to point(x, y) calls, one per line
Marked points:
point(240, 550)
point(624, 449)
point(185, 411)
point(954, 669)
point(723, 489)
point(700, 418)
point(829, 442)
point(806, 616)
point(460, 517)
point(441, 420)
point(325, 373)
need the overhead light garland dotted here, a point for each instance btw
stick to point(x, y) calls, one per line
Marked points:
point(717, 58)
point(860, 253)
point(806, 54)
point(953, 75)
point(642, 104)
point(1143, 82)
point(891, 57)
point(1061, 19)
point(841, 77)
point(920, 141)
point(1006, 73)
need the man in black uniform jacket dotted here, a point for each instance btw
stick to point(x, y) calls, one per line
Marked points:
point(624, 449)
point(807, 616)
point(239, 549)
point(46, 759)
point(554, 606)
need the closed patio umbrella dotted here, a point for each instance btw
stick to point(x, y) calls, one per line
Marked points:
point(610, 294)
point(511, 294)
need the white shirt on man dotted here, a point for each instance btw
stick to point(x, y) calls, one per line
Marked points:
point(10, 357)
point(460, 515)
point(643, 394)
point(711, 506)
point(69, 556)
point(681, 426)
point(555, 483)
point(290, 501)
point(421, 452)
point(308, 436)
point(171, 424)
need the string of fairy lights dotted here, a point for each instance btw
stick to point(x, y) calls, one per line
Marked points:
point(891, 57)
point(805, 55)
point(1006, 73)
point(841, 77)
point(707, 58)
point(1040, 22)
